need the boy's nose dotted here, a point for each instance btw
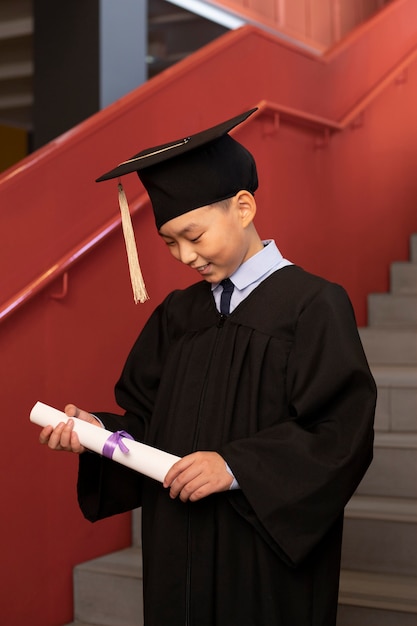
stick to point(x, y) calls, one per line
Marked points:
point(187, 254)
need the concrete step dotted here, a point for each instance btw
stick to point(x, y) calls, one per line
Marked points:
point(382, 508)
point(396, 407)
point(380, 535)
point(384, 346)
point(387, 310)
point(413, 248)
point(393, 470)
point(403, 278)
point(108, 590)
point(370, 599)
point(83, 624)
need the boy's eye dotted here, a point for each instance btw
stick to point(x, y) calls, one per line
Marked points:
point(195, 239)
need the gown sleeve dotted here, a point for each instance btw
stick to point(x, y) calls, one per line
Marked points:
point(104, 487)
point(297, 476)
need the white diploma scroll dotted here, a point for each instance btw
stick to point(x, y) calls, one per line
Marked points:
point(140, 457)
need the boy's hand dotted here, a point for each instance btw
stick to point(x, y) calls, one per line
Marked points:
point(198, 475)
point(63, 437)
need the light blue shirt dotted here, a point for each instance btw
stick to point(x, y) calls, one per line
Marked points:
point(251, 273)
point(246, 278)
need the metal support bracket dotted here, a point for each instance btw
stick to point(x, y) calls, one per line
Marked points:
point(64, 290)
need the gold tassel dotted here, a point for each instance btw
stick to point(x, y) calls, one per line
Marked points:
point(138, 285)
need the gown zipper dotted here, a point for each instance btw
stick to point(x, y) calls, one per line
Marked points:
point(220, 324)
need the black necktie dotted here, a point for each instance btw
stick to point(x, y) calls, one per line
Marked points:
point(228, 287)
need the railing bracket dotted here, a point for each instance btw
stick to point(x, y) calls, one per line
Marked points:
point(272, 128)
point(402, 77)
point(358, 121)
point(64, 291)
point(322, 141)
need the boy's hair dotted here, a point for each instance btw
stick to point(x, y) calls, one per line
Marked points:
point(223, 204)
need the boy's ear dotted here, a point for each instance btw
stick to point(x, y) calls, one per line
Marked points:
point(247, 207)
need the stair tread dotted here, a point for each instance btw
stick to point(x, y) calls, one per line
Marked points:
point(389, 345)
point(386, 508)
point(389, 295)
point(395, 375)
point(388, 309)
point(404, 264)
point(387, 330)
point(82, 624)
point(378, 590)
point(403, 277)
point(392, 439)
point(126, 562)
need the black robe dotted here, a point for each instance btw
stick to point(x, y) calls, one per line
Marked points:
point(281, 389)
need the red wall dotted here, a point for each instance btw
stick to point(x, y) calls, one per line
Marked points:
point(344, 210)
point(319, 23)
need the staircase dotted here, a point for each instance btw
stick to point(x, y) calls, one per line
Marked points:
point(378, 584)
point(379, 559)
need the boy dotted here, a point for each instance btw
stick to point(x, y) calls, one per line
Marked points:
point(268, 399)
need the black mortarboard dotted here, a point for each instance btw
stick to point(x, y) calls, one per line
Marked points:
point(189, 173)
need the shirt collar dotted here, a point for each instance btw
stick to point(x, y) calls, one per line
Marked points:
point(256, 266)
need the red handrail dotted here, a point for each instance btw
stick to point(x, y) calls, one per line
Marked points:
point(59, 268)
point(321, 123)
point(280, 113)
point(67, 261)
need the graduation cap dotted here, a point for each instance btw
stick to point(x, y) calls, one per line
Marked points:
point(186, 174)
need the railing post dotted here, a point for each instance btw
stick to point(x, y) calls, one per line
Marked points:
point(64, 290)
point(336, 21)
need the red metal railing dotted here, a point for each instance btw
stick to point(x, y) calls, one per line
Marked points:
point(280, 114)
point(64, 264)
point(42, 182)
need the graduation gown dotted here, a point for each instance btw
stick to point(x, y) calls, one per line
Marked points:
point(281, 389)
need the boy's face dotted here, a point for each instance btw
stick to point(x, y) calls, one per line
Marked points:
point(212, 240)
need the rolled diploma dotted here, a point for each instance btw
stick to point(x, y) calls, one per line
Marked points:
point(144, 459)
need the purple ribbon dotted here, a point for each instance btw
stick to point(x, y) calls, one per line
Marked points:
point(115, 440)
